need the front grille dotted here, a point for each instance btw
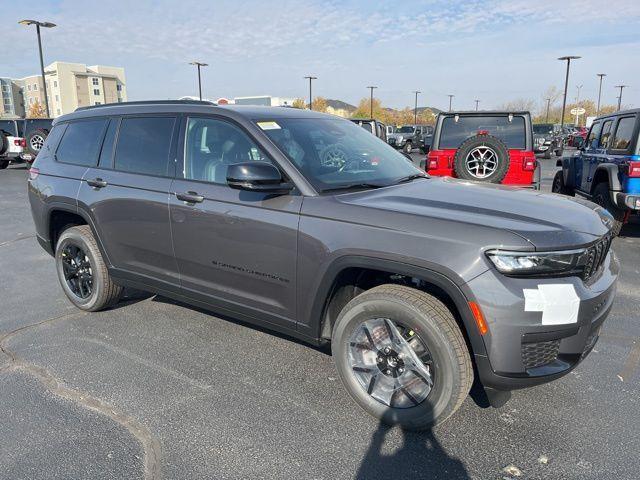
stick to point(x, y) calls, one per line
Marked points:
point(595, 256)
point(392, 141)
point(537, 354)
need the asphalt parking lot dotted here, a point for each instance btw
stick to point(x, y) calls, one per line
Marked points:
point(156, 389)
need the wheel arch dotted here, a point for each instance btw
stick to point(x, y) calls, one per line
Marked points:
point(357, 271)
point(607, 172)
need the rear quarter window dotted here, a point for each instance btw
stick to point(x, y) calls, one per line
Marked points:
point(512, 133)
point(624, 133)
point(81, 142)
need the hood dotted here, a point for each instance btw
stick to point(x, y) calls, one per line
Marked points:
point(546, 220)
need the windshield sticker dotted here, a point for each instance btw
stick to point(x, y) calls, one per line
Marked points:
point(559, 304)
point(269, 125)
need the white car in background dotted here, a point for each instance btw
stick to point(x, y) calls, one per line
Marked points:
point(12, 144)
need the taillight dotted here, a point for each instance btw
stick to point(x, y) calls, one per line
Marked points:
point(529, 164)
point(33, 173)
point(432, 162)
point(20, 142)
point(634, 169)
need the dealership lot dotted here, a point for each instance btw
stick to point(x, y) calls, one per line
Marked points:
point(154, 388)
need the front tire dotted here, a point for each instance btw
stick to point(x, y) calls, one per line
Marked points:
point(408, 147)
point(402, 357)
point(82, 272)
point(602, 197)
point(560, 187)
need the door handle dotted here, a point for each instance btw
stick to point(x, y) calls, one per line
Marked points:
point(97, 183)
point(190, 197)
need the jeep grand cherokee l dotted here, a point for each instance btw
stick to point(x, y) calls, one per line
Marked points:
point(309, 225)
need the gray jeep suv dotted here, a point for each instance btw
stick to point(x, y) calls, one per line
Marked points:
point(309, 225)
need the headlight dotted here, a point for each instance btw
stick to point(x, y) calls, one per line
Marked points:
point(539, 263)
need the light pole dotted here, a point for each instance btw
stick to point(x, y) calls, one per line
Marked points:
point(199, 65)
point(548, 105)
point(477, 103)
point(371, 100)
point(620, 97)
point(568, 59)
point(44, 82)
point(415, 107)
point(601, 75)
point(450, 99)
point(578, 87)
point(310, 78)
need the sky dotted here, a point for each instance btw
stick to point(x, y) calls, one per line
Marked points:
point(496, 51)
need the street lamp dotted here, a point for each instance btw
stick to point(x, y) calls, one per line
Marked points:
point(199, 65)
point(578, 87)
point(601, 75)
point(450, 99)
point(477, 103)
point(568, 59)
point(371, 100)
point(44, 82)
point(310, 97)
point(415, 107)
point(620, 97)
point(548, 105)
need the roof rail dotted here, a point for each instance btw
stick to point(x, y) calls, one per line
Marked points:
point(149, 102)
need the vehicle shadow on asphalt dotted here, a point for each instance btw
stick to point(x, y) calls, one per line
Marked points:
point(419, 456)
point(631, 229)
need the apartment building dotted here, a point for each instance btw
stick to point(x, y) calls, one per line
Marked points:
point(11, 100)
point(73, 85)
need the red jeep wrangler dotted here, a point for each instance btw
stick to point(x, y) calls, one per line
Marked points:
point(494, 147)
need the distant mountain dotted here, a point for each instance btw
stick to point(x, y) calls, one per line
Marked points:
point(433, 109)
point(340, 105)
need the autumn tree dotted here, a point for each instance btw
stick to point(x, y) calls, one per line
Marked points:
point(319, 104)
point(364, 110)
point(37, 110)
point(299, 103)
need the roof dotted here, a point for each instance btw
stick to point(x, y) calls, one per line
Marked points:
point(620, 112)
point(253, 112)
point(486, 112)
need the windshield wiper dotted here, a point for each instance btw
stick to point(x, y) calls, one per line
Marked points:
point(353, 186)
point(408, 178)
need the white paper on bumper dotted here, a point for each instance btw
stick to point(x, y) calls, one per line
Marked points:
point(559, 304)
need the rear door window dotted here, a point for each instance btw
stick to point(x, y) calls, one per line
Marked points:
point(453, 133)
point(81, 142)
point(624, 133)
point(594, 134)
point(144, 144)
point(606, 134)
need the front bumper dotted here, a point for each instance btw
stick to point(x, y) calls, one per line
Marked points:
point(521, 350)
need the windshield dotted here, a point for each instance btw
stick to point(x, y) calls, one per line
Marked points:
point(543, 128)
point(512, 133)
point(406, 129)
point(334, 153)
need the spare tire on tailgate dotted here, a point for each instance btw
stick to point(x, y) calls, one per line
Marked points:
point(482, 158)
point(4, 143)
point(35, 140)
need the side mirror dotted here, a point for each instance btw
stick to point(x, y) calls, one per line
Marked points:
point(257, 177)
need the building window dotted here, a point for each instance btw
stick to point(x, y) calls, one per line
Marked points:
point(29, 87)
point(94, 81)
point(96, 91)
point(98, 103)
point(119, 100)
point(57, 98)
point(55, 83)
point(30, 100)
point(35, 87)
point(57, 111)
point(119, 87)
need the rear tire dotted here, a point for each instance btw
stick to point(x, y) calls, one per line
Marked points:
point(547, 153)
point(82, 272)
point(4, 164)
point(602, 197)
point(559, 186)
point(408, 147)
point(427, 321)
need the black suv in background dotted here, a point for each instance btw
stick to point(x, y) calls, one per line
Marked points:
point(546, 140)
point(309, 225)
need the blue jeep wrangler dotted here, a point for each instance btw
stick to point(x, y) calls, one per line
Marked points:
point(606, 169)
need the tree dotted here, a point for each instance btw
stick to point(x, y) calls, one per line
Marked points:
point(319, 104)
point(37, 110)
point(364, 110)
point(518, 104)
point(299, 103)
